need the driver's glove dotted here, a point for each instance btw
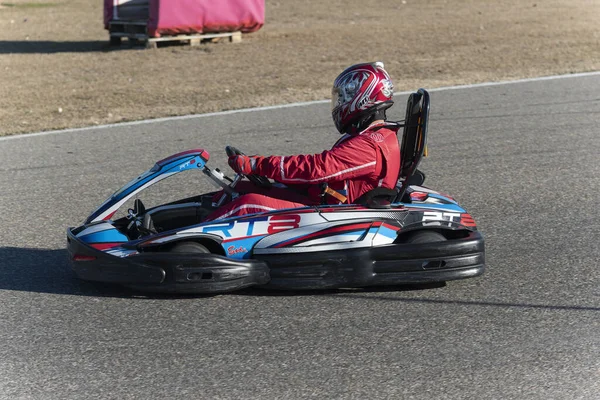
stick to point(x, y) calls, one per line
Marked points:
point(245, 165)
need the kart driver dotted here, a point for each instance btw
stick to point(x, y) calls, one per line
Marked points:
point(366, 157)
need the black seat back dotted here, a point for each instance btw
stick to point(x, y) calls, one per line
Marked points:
point(414, 137)
point(412, 149)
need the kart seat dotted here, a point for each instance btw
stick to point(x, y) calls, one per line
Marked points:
point(378, 198)
point(413, 147)
point(172, 216)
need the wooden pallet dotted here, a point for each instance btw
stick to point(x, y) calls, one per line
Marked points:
point(135, 32)
point(194, 39)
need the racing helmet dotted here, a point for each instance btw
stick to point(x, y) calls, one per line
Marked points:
point(358, 94)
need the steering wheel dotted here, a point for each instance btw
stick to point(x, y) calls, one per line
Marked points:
point(136, 227)
point(258, 180)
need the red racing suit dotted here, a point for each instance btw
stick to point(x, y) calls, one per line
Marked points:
point(355, 165)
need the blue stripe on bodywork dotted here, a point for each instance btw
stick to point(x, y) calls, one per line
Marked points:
point(440, 207)
point(387, 232)
point(108, 236)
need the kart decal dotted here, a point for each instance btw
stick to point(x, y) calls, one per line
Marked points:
point(390, 227)
point(109, 216)
point(279, 223)
point(201, 152)
point(341, 238)
point(365, 241)
point(120, 252)
point(309, 224)
point(388, 231)
point(257, 225)
point(95, 228)
point(232, 251)
point(467, 220)
point(438, 216)
point(240, 248)
point(106, 236)
point(242, 238)
point(383, 233)
point(436, 207)
point(422, 189)
point(418, 196)
point(353, 228)
point(176, 236)
point(441, 197)
point(105, 246)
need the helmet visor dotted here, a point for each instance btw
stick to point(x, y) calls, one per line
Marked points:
point(335, 97)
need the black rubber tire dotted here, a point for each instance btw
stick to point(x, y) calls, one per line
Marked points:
point(189, 247)
point(425, 237)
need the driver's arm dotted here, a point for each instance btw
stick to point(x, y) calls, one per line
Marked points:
point(355, 157)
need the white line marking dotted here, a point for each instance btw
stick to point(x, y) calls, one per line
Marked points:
point(291, 105)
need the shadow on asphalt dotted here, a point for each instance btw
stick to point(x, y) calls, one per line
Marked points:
point(258, 292)
point(48, 271)
point(50, 47)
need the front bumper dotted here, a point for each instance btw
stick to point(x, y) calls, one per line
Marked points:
point(166, 272)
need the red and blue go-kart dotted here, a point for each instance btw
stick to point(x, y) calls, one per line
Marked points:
point(389, 237)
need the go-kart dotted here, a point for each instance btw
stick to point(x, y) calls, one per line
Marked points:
point(408, 235)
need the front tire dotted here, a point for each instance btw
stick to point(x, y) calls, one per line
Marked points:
point(425, 237)
point(189, 247)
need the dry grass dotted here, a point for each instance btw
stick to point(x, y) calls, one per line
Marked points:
point(55, 56)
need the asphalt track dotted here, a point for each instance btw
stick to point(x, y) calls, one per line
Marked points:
point(523, 158)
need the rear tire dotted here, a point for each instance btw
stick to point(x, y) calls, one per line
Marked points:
point(419, 237)
point(425, 237)
point(189, 247)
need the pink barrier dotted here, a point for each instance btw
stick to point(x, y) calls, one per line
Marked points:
point(172, 17)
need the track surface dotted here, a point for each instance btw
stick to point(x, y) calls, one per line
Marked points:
point(522, 158)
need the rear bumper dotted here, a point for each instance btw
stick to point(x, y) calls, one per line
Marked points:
point(166, 272)
point(388, 265)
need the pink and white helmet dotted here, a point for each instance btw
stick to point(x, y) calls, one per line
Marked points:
point(358, 92)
